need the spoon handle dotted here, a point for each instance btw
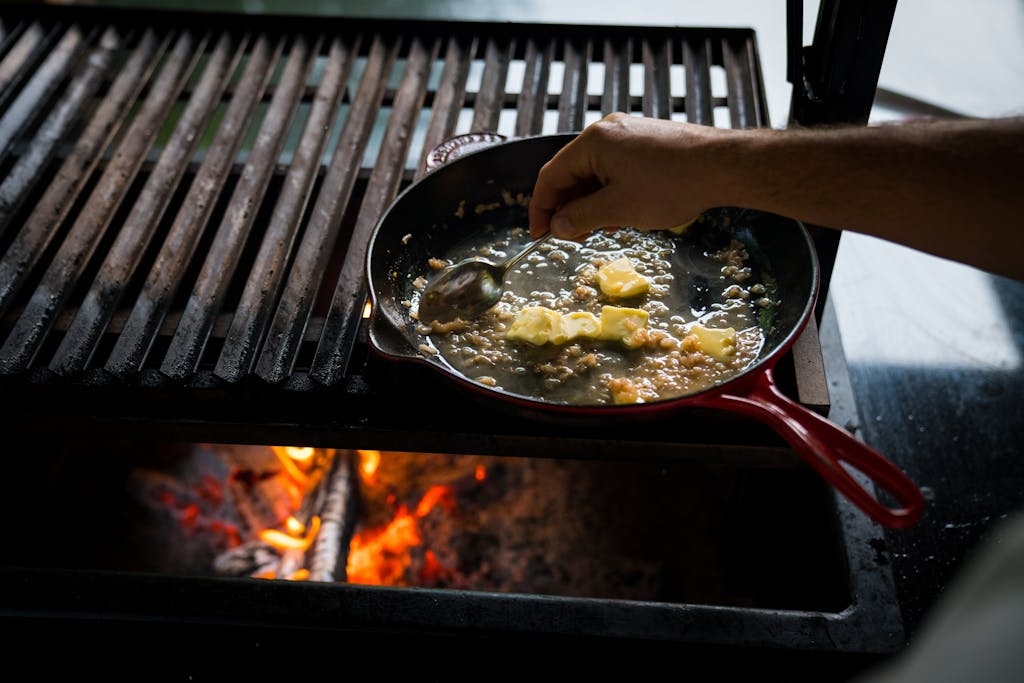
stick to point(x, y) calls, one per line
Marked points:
point(526, 250)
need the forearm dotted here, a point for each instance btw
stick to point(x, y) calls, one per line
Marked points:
point(954, 189)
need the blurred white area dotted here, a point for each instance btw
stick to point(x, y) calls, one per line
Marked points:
point(964, 56)
point(896, 305)
point(899, 307)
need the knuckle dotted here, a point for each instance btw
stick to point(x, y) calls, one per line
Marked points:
point(609, 127)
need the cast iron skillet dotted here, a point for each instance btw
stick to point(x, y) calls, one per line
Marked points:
point(425, 221)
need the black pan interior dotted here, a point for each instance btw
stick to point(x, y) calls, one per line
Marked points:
point(425, 221)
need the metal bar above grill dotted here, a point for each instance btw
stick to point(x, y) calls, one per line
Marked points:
point(196, 258)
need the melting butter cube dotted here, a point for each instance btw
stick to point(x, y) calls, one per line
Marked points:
point(537, 325)
point(620, 279)
point(627, 325)
point(717, 343)
point(580, 324)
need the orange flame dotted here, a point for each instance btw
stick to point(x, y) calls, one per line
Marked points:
point(290, 467)
point(287, 541)
point(432, 569)
point(300, 453)
point(380, 556)
point(369, 461)
point(435, 495)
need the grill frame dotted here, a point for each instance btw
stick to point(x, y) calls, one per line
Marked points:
point(339, 397)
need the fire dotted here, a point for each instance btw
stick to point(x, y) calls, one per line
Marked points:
point(290, 463)
point(300, 454)
point(435, 495)
point(369, 461)
point(299, 470)
point(380, 556)
point(289, 541)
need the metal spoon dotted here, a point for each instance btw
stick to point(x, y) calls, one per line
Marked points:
point(468, 288)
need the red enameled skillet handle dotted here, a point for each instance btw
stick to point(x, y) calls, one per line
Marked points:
point(825, 446)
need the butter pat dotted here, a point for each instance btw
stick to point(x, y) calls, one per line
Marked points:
point(719, 344)
point(580, 324)
point(537, 325)
point(620, 279)
point(627, 325)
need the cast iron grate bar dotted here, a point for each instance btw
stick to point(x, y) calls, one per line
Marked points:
point(615, 96)
point(491, 96)
point(451, 92)
point(657, 102)
point(696, 58)
point(184, 204)
point(572, 103)
point(41, 86)
point(19, 61)
point(530, 104)
point(746, 97)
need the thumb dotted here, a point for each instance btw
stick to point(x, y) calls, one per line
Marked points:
point(578, 218)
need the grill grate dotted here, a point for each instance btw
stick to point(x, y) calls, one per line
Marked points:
point(185, 207)
point(186, 204)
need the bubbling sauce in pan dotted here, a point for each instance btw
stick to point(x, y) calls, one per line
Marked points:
point(700, 277)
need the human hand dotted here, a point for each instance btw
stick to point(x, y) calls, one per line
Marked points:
point(626, 170)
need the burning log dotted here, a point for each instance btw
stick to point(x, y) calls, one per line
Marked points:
point(338, 515)
point(250, 559)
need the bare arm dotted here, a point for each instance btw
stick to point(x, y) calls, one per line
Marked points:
point(954, 189)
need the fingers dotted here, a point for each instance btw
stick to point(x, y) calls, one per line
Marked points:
point(559, 179)
point(605, 208)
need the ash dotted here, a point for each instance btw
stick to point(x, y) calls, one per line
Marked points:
point(556, 527)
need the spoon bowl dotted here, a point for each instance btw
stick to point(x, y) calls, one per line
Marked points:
point(469, 287)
